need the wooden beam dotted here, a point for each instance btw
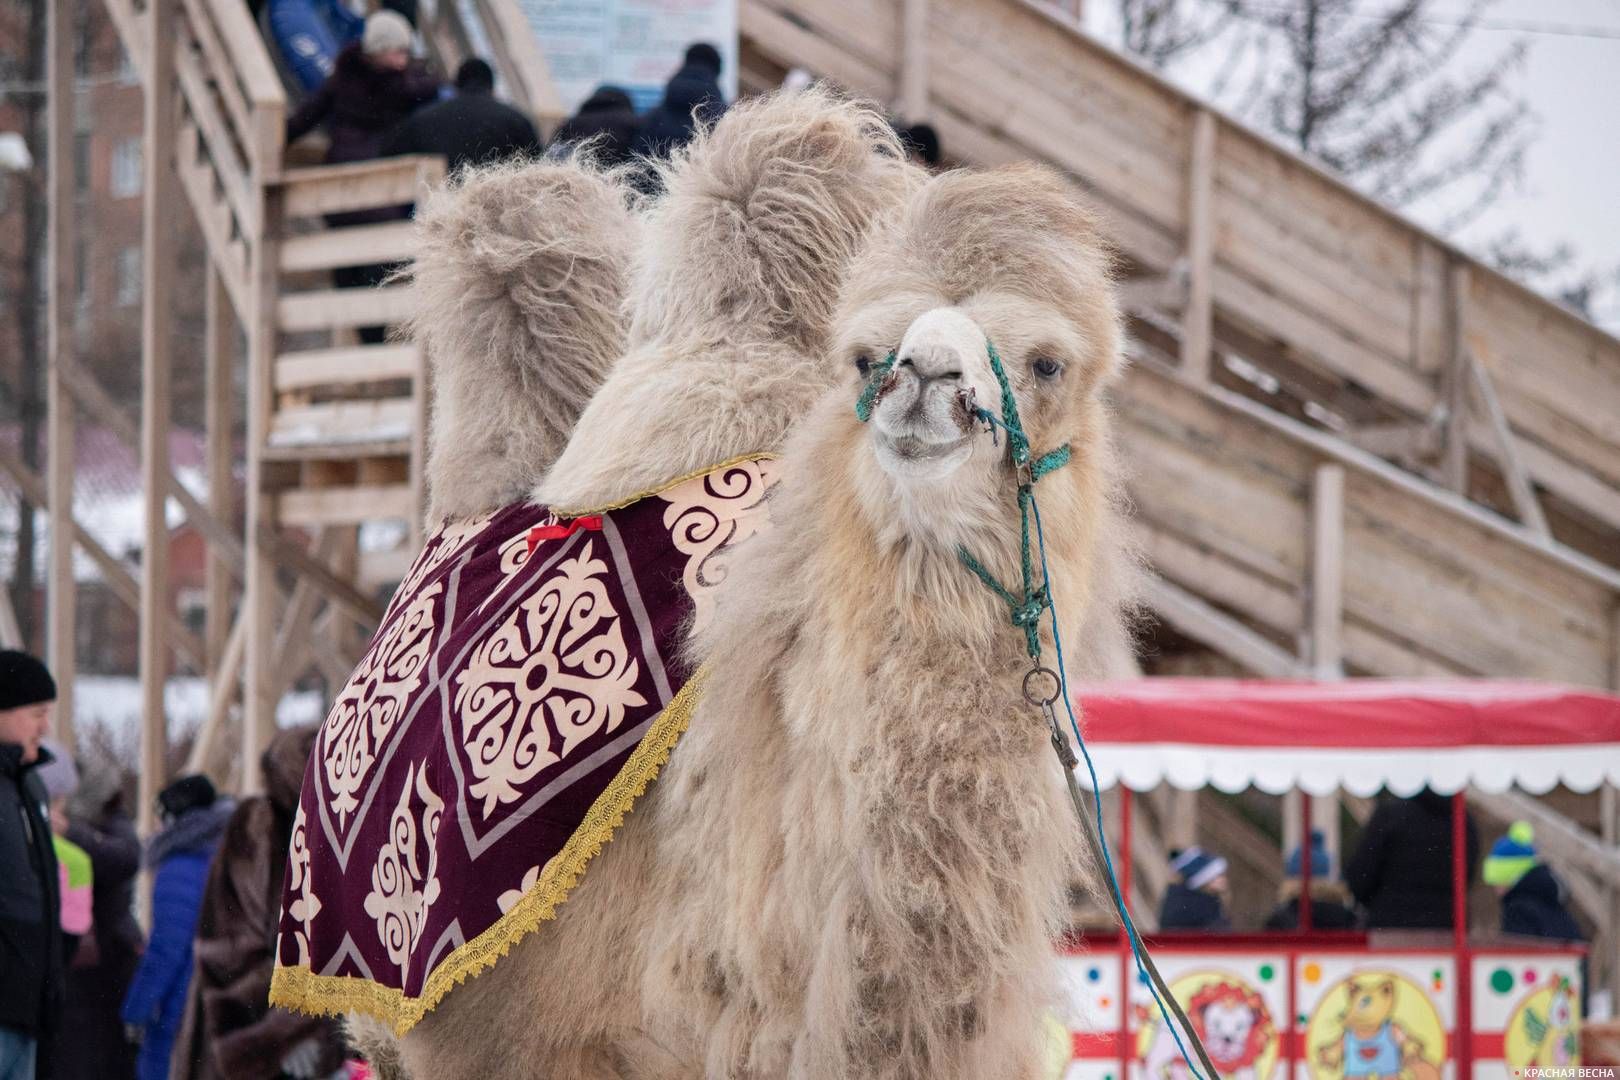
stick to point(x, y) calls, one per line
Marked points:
point(343, 367)
point(914, 103)
point(301, 609)
point(259, 585)
point(1197, 321)
point(1327, 572)
point(1221, 632)
point(362, 608)
point(159, 204)
point(1454, 453)
point(522, 63)
point(364, 185)
point(1525, 502)
point(356, 245)
point(1401, 441)
point(218, 411)
point(10, 634)
point(100, 404)
point(221, 694)
point(117, 576)
point(60, 585)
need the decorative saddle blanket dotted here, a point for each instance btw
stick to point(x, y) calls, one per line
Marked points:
point(525, 686)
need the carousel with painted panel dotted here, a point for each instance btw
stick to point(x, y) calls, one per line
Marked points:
point(1339, 1004)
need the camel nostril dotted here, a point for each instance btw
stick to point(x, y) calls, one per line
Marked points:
point(905, 362)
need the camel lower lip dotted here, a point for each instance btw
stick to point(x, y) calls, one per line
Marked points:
point(915, 449)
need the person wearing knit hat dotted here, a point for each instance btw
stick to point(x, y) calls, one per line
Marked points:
point(30, 901)
point(387, 37)
point(1534, 900)
point(1332, 907)
point(1196, 900)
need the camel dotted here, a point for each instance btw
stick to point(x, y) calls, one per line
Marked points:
point(730, 303)
point(855, 863)
point(520, 278)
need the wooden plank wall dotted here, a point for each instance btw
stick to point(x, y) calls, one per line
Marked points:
point(1345, 288)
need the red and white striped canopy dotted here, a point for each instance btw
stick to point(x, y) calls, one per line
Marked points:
point(1361, 735)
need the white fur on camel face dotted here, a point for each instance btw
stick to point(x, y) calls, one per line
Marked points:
point(923, 421)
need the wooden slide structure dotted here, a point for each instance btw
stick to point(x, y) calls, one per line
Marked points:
point(334, 427)
point(1353, 449)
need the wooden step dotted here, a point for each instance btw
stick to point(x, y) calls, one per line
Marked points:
point(331, 189)
point(345, 505)
point(357, 245)
point(327, 309)
point(344, 367)
point(344, 426)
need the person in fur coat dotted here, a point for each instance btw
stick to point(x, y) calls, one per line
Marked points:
point(229, 1031)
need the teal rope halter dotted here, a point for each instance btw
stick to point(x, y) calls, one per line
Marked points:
point(1024, 609)
point(1025, 612)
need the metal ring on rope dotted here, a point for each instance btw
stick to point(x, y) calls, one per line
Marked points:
point(1032, 696)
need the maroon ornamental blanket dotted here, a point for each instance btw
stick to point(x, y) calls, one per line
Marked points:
point(524, 687)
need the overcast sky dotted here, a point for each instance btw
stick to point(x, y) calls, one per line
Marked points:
point(1571, 189)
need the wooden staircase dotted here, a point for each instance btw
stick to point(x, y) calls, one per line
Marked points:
point(334, 427)
point(1353, 449)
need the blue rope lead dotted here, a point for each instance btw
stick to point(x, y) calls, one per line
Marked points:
point(1138, 950)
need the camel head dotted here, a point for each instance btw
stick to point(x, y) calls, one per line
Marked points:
point(1011, 259)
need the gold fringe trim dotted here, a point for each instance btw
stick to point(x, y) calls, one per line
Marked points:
point(301, 989)
point(677, 482)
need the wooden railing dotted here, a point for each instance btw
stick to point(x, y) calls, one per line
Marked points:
point(1342, 302)
point(1280, 539)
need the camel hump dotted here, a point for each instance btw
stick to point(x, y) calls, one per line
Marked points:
point(521, 276)
point(761, 215)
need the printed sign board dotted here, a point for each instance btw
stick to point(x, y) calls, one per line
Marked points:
point(635, 45)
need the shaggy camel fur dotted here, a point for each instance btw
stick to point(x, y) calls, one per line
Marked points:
point(520, 276)
point(855, 862)
point(731, 300)
point(732, 296)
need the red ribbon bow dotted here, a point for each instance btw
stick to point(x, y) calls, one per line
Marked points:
point(559, 531)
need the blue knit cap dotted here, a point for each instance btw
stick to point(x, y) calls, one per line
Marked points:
point(1511, 857)
point(1321, 861)
point(1196, 867)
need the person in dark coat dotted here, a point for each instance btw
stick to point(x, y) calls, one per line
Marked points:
point(194, 818)
point(691, 97)
point(374, 85)
point(1533, 898)
point(1332, 907)
point(471, 128)
point(608, 117)
point(229, 1030)
point(30, 916)
point(93, 1046)
point(1401, 868)
point(1195, 899)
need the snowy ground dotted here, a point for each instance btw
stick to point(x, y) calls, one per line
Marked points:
point(107, 710)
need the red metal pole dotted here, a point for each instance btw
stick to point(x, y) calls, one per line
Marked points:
point(1305, 850)
point(1463, 1054)
point(1127, 966)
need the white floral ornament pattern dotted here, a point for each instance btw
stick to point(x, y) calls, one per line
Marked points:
point(554, 674)
point(375, 698)
point(711, 512)
point(402, 890)
point(302, 883)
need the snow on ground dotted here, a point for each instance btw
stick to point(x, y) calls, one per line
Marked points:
point(107, 710)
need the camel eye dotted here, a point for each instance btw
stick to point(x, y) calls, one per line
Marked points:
point(1047, 368)
point(863, 364)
